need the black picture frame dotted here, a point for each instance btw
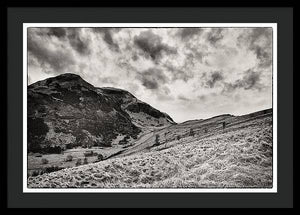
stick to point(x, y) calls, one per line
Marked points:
point(16, 16)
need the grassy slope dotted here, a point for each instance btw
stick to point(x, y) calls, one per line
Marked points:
point(35, 163)
point(240, 156)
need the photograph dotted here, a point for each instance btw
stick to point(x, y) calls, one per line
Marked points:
point(150, 107)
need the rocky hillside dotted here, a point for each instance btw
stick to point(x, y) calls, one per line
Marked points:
point(66, 111)
point(194, 154)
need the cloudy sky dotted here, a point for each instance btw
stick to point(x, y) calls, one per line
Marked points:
point(189, 73)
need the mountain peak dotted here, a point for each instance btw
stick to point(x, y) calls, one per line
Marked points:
point(68, 76)
point(65, 80)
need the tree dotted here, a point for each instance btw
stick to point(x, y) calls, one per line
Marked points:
point(69, 158)
point(85, 161)
point(100, 157)
point(88, 153)
point(156, 140)
point(78, 162)
point(45, 161)
point(224, 125)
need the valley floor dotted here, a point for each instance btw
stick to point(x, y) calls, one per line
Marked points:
point(240, 156)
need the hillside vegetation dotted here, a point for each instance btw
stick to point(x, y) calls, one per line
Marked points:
point(194, 154)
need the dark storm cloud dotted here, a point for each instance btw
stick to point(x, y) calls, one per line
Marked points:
point(263, 51)
point(107, 37)
point(215, 35)
point(57, 32)
point(149, 83)
point(75, 40)
point(152, 78)
point(263, 56)
point(214, 78)
point(71, 35)
point(251, 80)
point(58, 60)
point(186, 33)
point(152, 45)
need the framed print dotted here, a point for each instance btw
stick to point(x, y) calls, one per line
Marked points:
point(111, 139)
point(180, 108)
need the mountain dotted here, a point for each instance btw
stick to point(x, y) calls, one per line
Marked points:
point(66, 111)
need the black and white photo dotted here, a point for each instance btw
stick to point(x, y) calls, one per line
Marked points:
point(150, 107)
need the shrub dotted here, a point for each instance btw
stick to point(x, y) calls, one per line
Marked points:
point(192, 133)
point(134, 136)
point(69, 146)
point(45, 161)
point(69, 158)
point(88, 153)
point(156, 140)
point(100, 157)
point(51, 169)
point(35, 173)
point(52, 150)
point(124, 140)
point(78, 162)
point(178, 137)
